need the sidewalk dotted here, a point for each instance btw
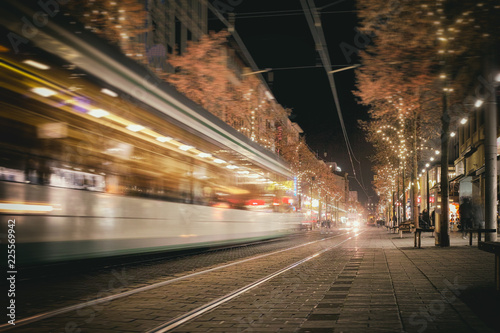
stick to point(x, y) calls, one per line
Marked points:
point(390, 286)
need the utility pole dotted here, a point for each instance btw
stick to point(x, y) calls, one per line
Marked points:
point(414, 167)
point(442, 236)
point(490, 149)
point(399, 210)
point(393, 207)
point(403, 205)
point(428, 194)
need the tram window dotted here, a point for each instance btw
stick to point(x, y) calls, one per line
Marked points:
point(121, 164)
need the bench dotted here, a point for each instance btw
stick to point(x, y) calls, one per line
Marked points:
point(493, 247)
point(392, 229)
point(404, 227)
point(479, 232)
point(418, 235)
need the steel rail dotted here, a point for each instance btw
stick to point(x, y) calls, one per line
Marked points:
point(182, 319)
point(53, 313)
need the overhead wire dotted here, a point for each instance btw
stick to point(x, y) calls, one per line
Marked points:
point(278, 13)
point(319, 39)
point(238, 40)
point(239, 16)
point(314, 22)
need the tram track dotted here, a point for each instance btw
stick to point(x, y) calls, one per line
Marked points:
point(180, 319)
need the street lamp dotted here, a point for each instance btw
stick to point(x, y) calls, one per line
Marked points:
point(428, 195)
point(257, 72)
point(343, 69)
point(490, 151)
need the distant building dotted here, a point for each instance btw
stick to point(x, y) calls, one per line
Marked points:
point(173, 23)
point(353, 196)
point(342, 182)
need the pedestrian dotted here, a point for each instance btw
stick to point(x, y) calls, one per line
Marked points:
point(466, 215)
point(477, 216)
point(425, 219)
point(433, 218)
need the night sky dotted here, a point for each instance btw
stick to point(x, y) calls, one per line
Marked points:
point(282, 40)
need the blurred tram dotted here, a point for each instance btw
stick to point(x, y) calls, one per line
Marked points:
point(98, 157)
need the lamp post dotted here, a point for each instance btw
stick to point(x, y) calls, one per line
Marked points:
point(428, 192)
point(257, 72)
point(312, 180)
point(343, 69)
point(397, 203)
point(404, 192)
point(490, 150)
point(393, 207)
point(490, 144)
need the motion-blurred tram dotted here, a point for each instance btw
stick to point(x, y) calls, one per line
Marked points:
point(98, 157)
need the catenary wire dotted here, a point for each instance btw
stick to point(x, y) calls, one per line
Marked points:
point(314, 23)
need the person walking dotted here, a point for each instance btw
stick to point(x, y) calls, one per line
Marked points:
point(477, 216)
point(425, 219)
point(466, 215)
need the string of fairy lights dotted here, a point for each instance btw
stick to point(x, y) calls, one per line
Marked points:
point(318, 177)
point(447, 33)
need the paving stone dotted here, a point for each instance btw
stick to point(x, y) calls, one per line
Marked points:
point(374, 282)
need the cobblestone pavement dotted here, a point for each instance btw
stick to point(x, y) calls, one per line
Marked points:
point(145, 310)
point(372, 282)
point(62, 288)
point(378, 282)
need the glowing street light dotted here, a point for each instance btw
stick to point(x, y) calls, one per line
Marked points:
point(343, 69)
point(257, 72)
